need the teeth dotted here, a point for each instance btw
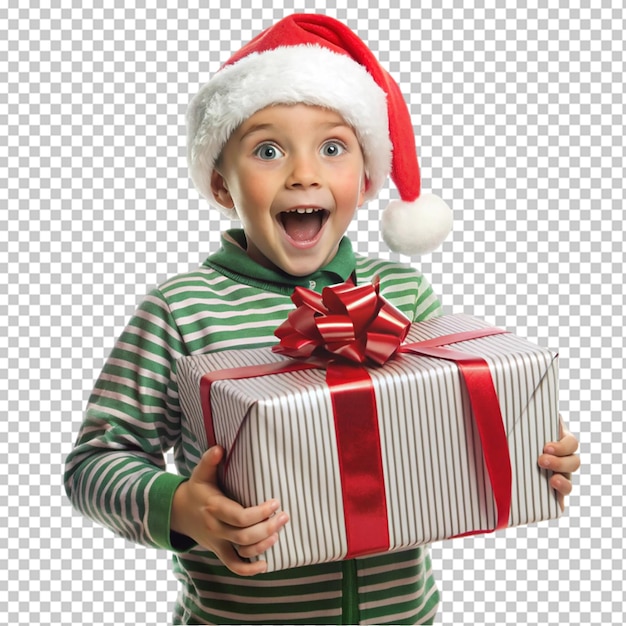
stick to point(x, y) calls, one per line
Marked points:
point(302, 210)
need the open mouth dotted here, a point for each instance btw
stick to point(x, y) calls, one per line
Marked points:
point(303, 224)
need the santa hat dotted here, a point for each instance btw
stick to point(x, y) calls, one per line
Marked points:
point(314, 59)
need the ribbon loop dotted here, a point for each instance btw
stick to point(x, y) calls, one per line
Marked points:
point(353, 323)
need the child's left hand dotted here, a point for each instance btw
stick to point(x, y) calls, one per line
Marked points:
point(559, 457)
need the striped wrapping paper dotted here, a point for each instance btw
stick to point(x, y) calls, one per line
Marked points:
point(279, 433)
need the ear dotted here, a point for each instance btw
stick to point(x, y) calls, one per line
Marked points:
point(365, 185)
point(219, 188)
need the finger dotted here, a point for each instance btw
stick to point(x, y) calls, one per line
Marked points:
point(207, 469)
point(563, 487)
point(258, 534)
point(227, 554)
point(257, 549)
point(564, 447)
point(561, 484)
point(560, 464)
point(232, 514)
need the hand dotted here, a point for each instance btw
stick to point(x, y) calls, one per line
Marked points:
point(559, 457)
point(201, 511)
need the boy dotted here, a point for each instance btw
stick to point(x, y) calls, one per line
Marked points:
point(291, 136)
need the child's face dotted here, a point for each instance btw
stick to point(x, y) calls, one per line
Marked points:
point(295, 175)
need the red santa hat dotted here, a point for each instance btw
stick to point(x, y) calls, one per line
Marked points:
point(314, 59)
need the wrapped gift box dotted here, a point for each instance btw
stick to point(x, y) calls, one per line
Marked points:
point(423, 448)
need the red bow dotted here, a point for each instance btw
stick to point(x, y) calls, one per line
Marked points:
point(355, 323)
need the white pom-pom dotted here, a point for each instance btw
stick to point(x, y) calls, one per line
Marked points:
point(416, 227)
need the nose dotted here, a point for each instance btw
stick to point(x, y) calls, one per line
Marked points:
point(303, 172)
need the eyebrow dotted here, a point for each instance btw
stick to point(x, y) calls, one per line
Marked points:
point(255, 129)
point(270, 128)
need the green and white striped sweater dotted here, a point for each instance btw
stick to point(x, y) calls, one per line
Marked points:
point(116, 472)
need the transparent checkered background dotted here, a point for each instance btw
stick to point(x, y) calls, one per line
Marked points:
point(519, 124)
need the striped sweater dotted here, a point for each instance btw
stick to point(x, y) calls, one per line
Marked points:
point(116, 474)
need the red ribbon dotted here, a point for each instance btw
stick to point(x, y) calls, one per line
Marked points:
point(360, 459)
point(354, 323)
point(357, 325)
point(485, 408)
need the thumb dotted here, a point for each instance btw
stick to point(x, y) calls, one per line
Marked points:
point(207, 468)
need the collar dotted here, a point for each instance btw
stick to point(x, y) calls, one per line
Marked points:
point(233, 261)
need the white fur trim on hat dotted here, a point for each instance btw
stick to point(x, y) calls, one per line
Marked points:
point(416, 227)
point(308, 74)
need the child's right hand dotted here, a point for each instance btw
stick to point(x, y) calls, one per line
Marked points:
point(201, 511)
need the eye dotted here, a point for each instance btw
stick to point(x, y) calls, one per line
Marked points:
point(268, 152)
point(333, 148)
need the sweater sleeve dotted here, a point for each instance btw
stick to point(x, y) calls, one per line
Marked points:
point(403, 285)
point(116, 473)
point(427, 304)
